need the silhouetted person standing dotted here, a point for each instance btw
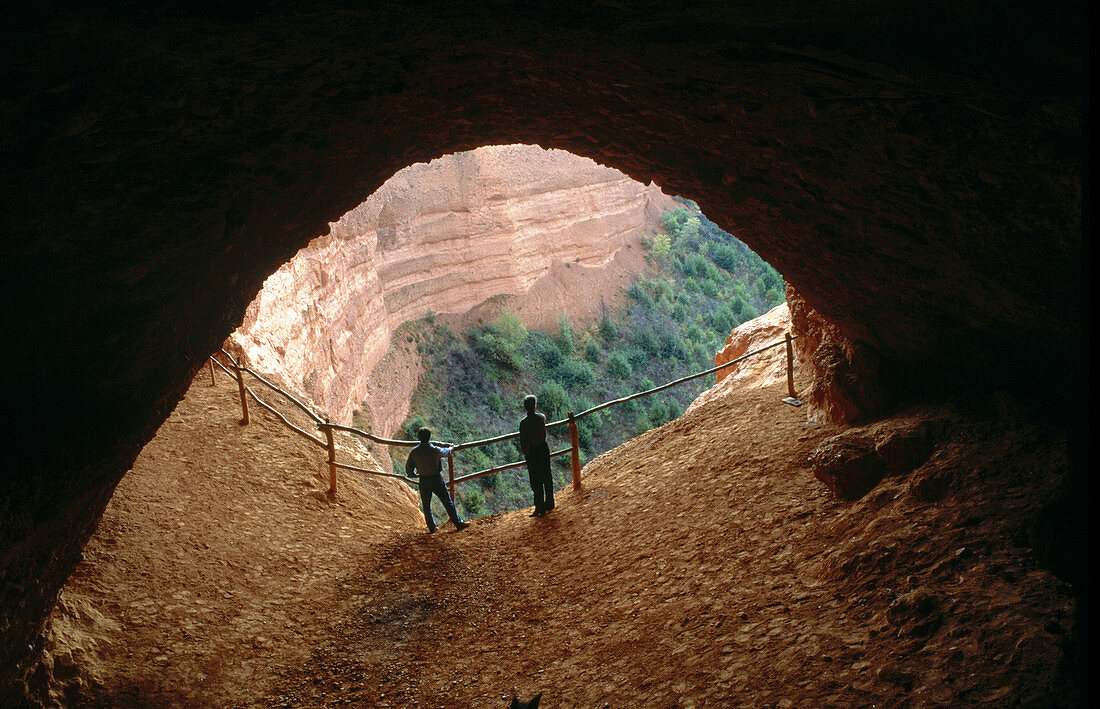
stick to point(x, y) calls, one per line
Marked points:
point(532, 441)
point(426, 461)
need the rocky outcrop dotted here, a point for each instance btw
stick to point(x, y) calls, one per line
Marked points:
point(846, 377)
point(757, 371)
point(440, 237)
point(763, 369)
point(850, 464)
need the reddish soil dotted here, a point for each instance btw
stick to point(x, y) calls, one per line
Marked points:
point(701, 565)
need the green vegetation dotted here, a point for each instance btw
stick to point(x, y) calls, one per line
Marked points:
point(702, 283)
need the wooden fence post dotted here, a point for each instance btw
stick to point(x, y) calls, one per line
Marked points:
point(574, 442)
point(244, 394)
point(790, 367)
point(331, 443)
point(451, 475)
point(210, 362)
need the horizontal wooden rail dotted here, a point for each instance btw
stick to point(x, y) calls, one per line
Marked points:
point(376, 439)
point(237, 373)
point(231, 358)
point(674, 382)
point(301, 432)
point(486, 441)
point(308, 412)
point(381, 473)
point(502, 438)
point(509, 466)
point(225, 369)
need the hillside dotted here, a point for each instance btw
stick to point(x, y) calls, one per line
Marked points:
point(702, 565)
point(697, 283)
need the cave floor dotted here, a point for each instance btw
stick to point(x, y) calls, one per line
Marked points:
point(701, 565)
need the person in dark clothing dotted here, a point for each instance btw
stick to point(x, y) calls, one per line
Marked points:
point(532, 441)
point(426, 462)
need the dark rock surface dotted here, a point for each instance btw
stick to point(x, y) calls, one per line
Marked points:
point(914, 169)
point(850, 464)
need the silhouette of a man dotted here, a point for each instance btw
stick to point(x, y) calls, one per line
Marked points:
point(532, 441)
point(426, 461)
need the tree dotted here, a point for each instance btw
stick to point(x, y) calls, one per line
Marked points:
point(566, 335)
point(660, 245)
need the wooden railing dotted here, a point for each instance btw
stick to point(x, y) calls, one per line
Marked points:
point(237, 372)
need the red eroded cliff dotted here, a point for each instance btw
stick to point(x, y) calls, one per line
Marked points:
point(442, 237)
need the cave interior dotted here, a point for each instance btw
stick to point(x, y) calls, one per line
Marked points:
point(915, 170)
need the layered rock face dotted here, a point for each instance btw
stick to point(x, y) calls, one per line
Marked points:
point(914, 168)
point(440, 237)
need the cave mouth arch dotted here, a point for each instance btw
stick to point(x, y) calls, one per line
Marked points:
point(165, 163)
point(445, 253)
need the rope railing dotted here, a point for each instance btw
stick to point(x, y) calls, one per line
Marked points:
point(236, 372)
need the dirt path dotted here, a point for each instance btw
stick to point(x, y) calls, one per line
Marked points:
point(702, 565)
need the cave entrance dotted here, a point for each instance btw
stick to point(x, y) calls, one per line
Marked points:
point(465, 283)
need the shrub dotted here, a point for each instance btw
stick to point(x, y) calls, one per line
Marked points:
point(474, 459)
point(553, 399)
point(637, 357)
point(608, 329)
point(499, 341)
point(673, 220)
point(592, 351)
point(722, 319)
point(725, 256)
point(658, 412)
point(618, 366)
point(637, 292)
point(566, 335)
point(585, 435)
point(660, 245)
point(689, 232)
point(672, 347)
point(414, 424)
point(550, 355)
point(647, 340)
point(473, 500)
point(496, 350)
point(575, 373)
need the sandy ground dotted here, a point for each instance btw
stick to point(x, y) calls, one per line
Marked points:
point(701, 565)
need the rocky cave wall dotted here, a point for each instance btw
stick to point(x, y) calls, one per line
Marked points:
point(913, 168)
point(440, 237)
